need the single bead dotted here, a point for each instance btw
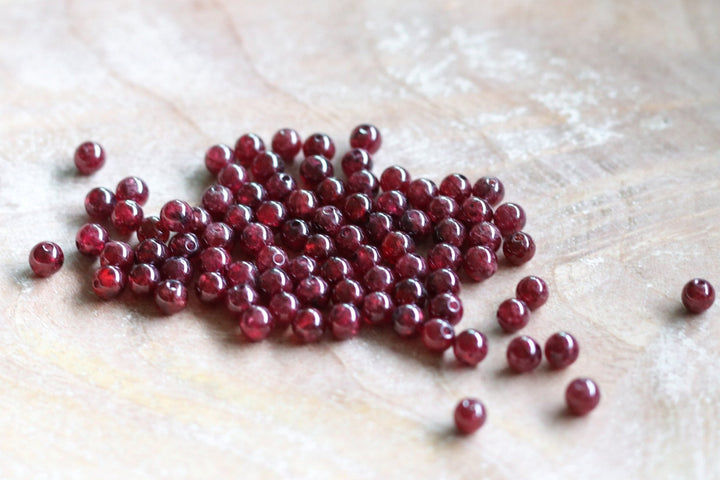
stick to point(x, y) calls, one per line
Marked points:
point(46, 258)
point(377, 308)
point(409, 291)
point(265, 165)
point(271, 257)
point(126, 217)
point(470, 347)
point(519, 248)
point(415, 223)
point(251, 194)
point(218, 234)
point(247, 147)
point(469, 415)
point(294, 234)
point(420, 192)
point(533, 291)
point(255, 237)
point(256, 323)
point(357, 208)
point(301, 267)
point(328, 220)
point(132, 188)
point(395, 178)
point(217, 200)
point(108, 282)
point(91, 239)
point(444, 255)
point(143, 279)
point(489, 189)
point(509, 218)
point(218, 157)
point(171, 296)
point(319, 246)
point(211, 287)
point(582, 396)
point(561, 350)
point(214, 259)
point(442, 207)
point(313, 291)
point(367, 137)
point(446, 306)
point(199, 220)
point(233, 177)
point(348, 291)
point(698, 295)
point(410, 265)
point(319, 144)
point(177, 216)
point(437, 335)
point(279, 186)
point(407, 320)
point(480, 263)
point(378, 226)
point(241, 297)
point(314, 169)
point(308, 325)
point(484, 234)
point(475, 210)
point(513, 315)
point(344, 321)
point(355, 160)
point(363, 181)
point(241, 273)
point(348, 239)
point(287, 143)
point(331, 191)
point(284, 307)
point(99, 203)
point(456, 186)
point(523, 354)
point(271, 213)
point(152, 227)
point(379, 279)
point(335, 269)
point(273, 281)
point(302, 204)
point(451, 231)
point(117, 254)
point(442, 280)
point(395, 245)
point(89, 158)
point(364, 259)
point(176, 268)
point(151, 251)
point(184, 245)
point(392, 202)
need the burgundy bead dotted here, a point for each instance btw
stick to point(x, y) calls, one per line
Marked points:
point(698, 295)
point(335, 269)
point(217, 199)
point(308, 325)
point(184, 245)
point(470, 347)
point(475, 210)
point(176, 268)
point(152, 227)
point(319, 246)
point(294, 234)
point(214, 259)
point(407, 320)
point(509, 218)
point(271, 213)
point(273, 281)
point(355, 160)
point(265, 165)
point(367, 137)
point(271, 257)
point(395, 178)
point(415, 223)
point(287, 143)
point(99, 203)
point(319, 144)
point(177, 216)
point(331, 191)
point(251, 194)
point(364, 259)
point(118, 254)
point(519, 248)
point(348, 291)
point(449, 231)
point(211, 287)
point(480, 263)
point(378, 226)
point(437, 335)
point(241, 273)
point(348, 239)
point(408, 291)
point(442, 280)
point(302, 204)
point(442, 207)
point(218, 234)
point(328, 220)
point(241, 297)
point(247, 147)
point(256, 323)
point(143, 279)
point(344, 319)
point(469, 415)
point(46, 258)
point(489, 189)
point(456, 186)
point(391, 202)
point(378, 279)
point(89, 158)
point(420, 192)
point(132, 188)
point(357, 208)
point(446, 306)
point(582, 396)
point(108, 282)
point(377, 308)
point(410, 265)
point(523, 354)
point(444, 255)
point(91, 239)
point(395, 245)
point(255, 237)
point(313, 291)
point(279, 186)
point(218, 157)
point(233, 176)
point(561, 350)
point(363, 181)
point(126, 217)
point(513, 315)
point(484, 234)
point(200, 219)
point(151, 251)
point(533, 291)
point(284, 307)
point(171, 296)
point(314, 169)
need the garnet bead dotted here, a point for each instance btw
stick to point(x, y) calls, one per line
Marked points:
point(319, 246)
point(364, 259)
point(392, 202)
point(308, 325)
point(218, 157)
point(523, 354)
point(378, 279)
point(395, 178)
point(256, 323)
point(251, 194)
point(378, 226)
point(474, 210)
point(241, 297)
point(533, 291)
point(218, 234)
point(117, 254)
point(367, 137)
point(319, 144)
point(91, 239)
point(265, 165)
point(271, 257)
point(313, 291)
point(177, 216)
point(152, 227)
point(302, 204)
point(255, 237)
point(348, 291)
point(335, 269)
point(407, 320)
point(214, 259)
point(509, 218)
point(279, 186)
point(446, 306)
point(408, 291)
point(480, 263)
point(469, 415)
point(442, 280)
point(582, 396)
point(698, 295)
point(561, 350)
point(314, 169)
point(233, 176)
point(411, 265)
point(355, 160)
point(200, 219)
point(420, 192)
point(287, 143)
point(357, 208)
point(513, 315)
point(301, 267)
point(217, 200)
point(437, 335)
point(273, 281)
point(331, 191)
point(442, 207)
point(151, 251)
point(415, 223)
point(176, 268)
point(363, 181)
point(449, 231)
point(241, 273)
point(328, 220)
point(211, 287)
point(126, 217)
point(46, 258)
point(489, 189)
point(377, 308)
point(171, 296)
point(344, 321)
point(444, 255)
point(143, 279)
point(247, 147)
point(484, 234)
point(271, 213)
point(89, 158)
point(132, 188)
point(184, 245)
point(470, 347)
point(108, 282)
point(395, 245)
point(294, 234)
point(284, 307)
point(456, 186)
point(519, 248)
point(99, 203)
point(348, 239)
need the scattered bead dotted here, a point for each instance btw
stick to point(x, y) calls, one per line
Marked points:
point(171, 296)
point(255, 237)
point(407, 320)
point(420, 192)
point(151, 251)
point(523, 354)
point(287, 143)
point(108, 282)
point(561, 350)
point(132, 188)
point(284, 307)
point(302, 204)
point(308, 325)
point(378, 226)
point(279, 186)
point(395, 245)
point(698, 295)
point(99, 203)
point(344, 321)
point(409, 290)
point(442, 207)
point(519, 248)
point(582, 396)
point(480, 263)
point(314, 169)
point(395, 178)
point(233, 176)
point(271, 213)
point(265, 165)
point(89, 158)
point(489, 189)
point(444, 255)
point(319, 144)
point(469, 416)
point(126, 217)
point(451, 231)
point(331, 191)
point(117, 254)
point(355, 160)
point(363, 181)
point(214, 259)
point(509, 218)
point(335, 269)
point(247, 147)
point(313, 291)
point(273, 281)
point(446, 306)
point(256, 323)
point(294, 234)
point(152, 227)
point(217, 200)
point(437, 335)
point(348, 291)
point(91, 239)
point(319, 246)
point(367, 137)
point(377, 308)
point(475, 210)
point(301, 267)
point(241, 297)
point(251, 194)
point(348, 239)
point(176, 268)
point(143, 279)
point(218, 234)
point(513, 315)
point(241, 273)
point(184, 245)
point(177, 216)
point(456, 186)
point(470, 347)
point(218, 157)
point(411, 265)
point(442, 280)
point(46, 258)
point(484, 234)
point(271, 257)
point(211, 287)
point(415, 223)
point(328, 220)
point(533, 291)
point(364, 259)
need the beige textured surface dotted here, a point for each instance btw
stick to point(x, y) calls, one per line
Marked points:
point(603, 120)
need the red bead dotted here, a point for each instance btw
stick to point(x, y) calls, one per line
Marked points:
point(151, 251)
point(395, 245)
point(364, 259)
point(561, 350)
point(273, 281)
point(218, 234)
point(446, 306)
point(294, 234)
point(241, 273)
point(126, 217)
point(456, 186)
point(519, 248)
point(328, 220)
point(378, 226)
point(271, 213)
point(355, 160)
point(469, 415)
point(117, 254)
point(444, 255)
point(308, 325)
point(251, 194)
point(132, 188)
point(409, 291)
point(489, 189)
point(377, 308)
point(184, 245)
point(392, 202)
point(265, 165)
point(470, 347)
point(218, 157)
point(357, 208)
point(437, 335)
point(420, 192)
point(279, 186)
point(176, 268)
point(217, 200)
point(367, 137)
point(319, 144)
point(177, 216)
point(335, 269)
point(271, 257)
point(108, 282)
point(99, 203)
point(344, 321)
point(287, 143)
point(319, 246)
point(301, 267)
point(241, 297)
point(363, 181)
point(91, 239)
point(480, 263)
point(442, 207)
point(284, 307)
point(255, 237)
point(513, 315)
point(411, 265)
point(474, 210)
point(331, 191)
point(256, 323)
point(89, 158)
point(302, 204)
point(582, 396)
point(415, 223)
point(46, 258)
point(314, 169)
point(533, 291)
point(143, 279)
point(247, 147)
point(395, 178)
point(449, 231)
point(313, 291)
point(698, 295)
point(378, 279)
point(348, 239)
point(348, 291)
point(152, 227)
point(407, 320)
point(442, 280)
point(214, 259)
point(233, 176)
point(200, 219)
point(484, 234)
point(523, 354)
point(211, 287)
point(171, 296)
point(509, 218)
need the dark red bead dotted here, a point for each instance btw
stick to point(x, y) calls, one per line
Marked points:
point(513, 315)
point(211, 287)
point(364, 259)
point(184, 245)
point(177, 216)
point(533, 291)
point(233, 176)
point(218, 157)
point(335, 269)
point(314, 169)
point(328, 220)
point(247, 147)
point(475, 210)
point(348, 239)
point(271, 257)
point(214, 259)
point(449, 231)
point(241, 297)
point(331, 191)
point(367, 137)
point(319, 144)
point(143, 279)
point(698, 295)
point(561, 350)
point(408, 291)
point(407, 320)
point(256, 323)
point(446, 306)
point(279, 186)
point(410, 265)
point(348, 291)
point(176, 268)
point(171, 296)
point(363, 181)
point(302, 204)
point(519, 248)
point(265, 165)
point(395, 245)
point(271, 213)
point(509, 218)
point(287, 143)
point(395, 178)
point(470, 347)
point(126, 217)
point(442, 280)
point(480, 263)
point(152, 227)
point(344, 319)
point(437, 335)
point(489, 189)
point(523, 354)
point(132, 188)
point(46, 258)
point(313, 291)
point(444, 255)
point(284, 307)
point(582, 396)
point(218, 234)
point(274, 281)
point(118, 254)
point(294, 234)
point(89, 158)
point(377, 308)
point(108, 282)
point(456, 186)
point(469, 415)
point(319, 246)
point(378, 226)
point(91, 239)
point(308, 325)
point(355, 160)
point(357, 208)
point(420, 192)
point(392, 202)
point(151, 251)
point(484, 234)
point(255, 237)
point(251, 194)
point(442, 207)
point(99, 203)
point(200, 219)
point(379, 279)
point(415, 223)
point(217, 199)
point(241, 273)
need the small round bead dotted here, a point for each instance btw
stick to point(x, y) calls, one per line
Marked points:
point(271, 257)
point(251, 194)
point(218, 234)
point(513, 315)
point(233, 176)
point(117, 254)
point(582, 396)
point(328, 220)
point(420, 192)
point(392, 202)
point(348, 239)
point(523, 354)
point(484, 234)
point(355, 160)
point(91, 239)
point(378, 226)
point(357, 208)
point(247, 147)
point(519, 248)
point(348, 291)
point(184, 245)
point(377, 308)
point(407, 320)
point(509, 218)
point(256, 323)
point(474, 210)
point(301, 267)
point(469, 415)
point(480, 263)
point(143, 279)
point(152, 227)
point(241, 273)
point(279, 186)
point(126, 217)
point(367, 137)
point(214, 259)
point(444, 255)
point(273, 281)
point(308, 325)
point(217, 200)
point(395, 178)
point(294, 234)
point(218, 157)
point(442, 207)
point(456, 186)
point(451, 231)
point(561, 350)
point(363, 181)
point(415, 223)
point(177, 216)
point(489, 189)
point(89, 158)
point(410, 265)
point(470, 347)
point(442, 280)
point(255, 237)
point(241, 297)
point(265, 165)
point(437, 335)
point(46, 258)
point(319, 144)
point(410, 291)
point(271, 213)
point(319, 246)
point(395, 245)
point(151, 251)
point(99, 203)
point(211, 287)
point(171, 296)
point(344, 321)
point(335, 269)
point(378, 279)
point(132, 188)
point(302, 204)
point(364, 259)
point(313, 291)
point(331, 191)
point(108, 282)
point(446, 306)
point(287, 143)
point(314, 169)
point(200, 219)
point(698, 295)
point(533, 291)
point(284, 307)
point(176, 268)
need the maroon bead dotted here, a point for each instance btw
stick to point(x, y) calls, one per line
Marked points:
point(470, 347)
point(444, 255)
point(328, 220)
point(519, 248)
point(533, 291)
point(108, 282)
point(287, 143)
point(355, 160)
point(89, 158)
point(271, 257)
point(344, 321)
point(367, 137)
point(302, 204)
point(308, 325)
point(132, 188)
point(211, 287)
point(171, 296)
point(184, 245)
point(415, 223)
point(523, 354)
point(364, 259)
point(284, 307)
point(126, 217)
point(218, 234)
point(255, 237)
point(408, 291)
point(363, 181)
point(46, 258)
point(200, 219)
point(214, 259)
point(118, 254)
point(484, 234)
point(509, 218)
point(456, 186)
point(241, 273)
point(218, 157)
point(91, 239)
point(449, 231)
point(475, 210)
point(152, 227)
point(395, 178)
point(273, 281)
point(437, 335)
point(241, 297)
point(247, 147)
point(698, 295)
point(319, 144)
point(446, 306)
point(176, 268)
point(271, 213)
point(348, 239)
point(177, 216)
point(442, 207)
point(279, 186)
point(391, 202)
point(348, 291)
point(513, 315)
point(469, 415)
point(442, 280)
point(420, 192)
point(151, 251)
point(265, 165)
point(256, 323)
point(314, 169)
point(143, 279)
point(99, 203)
point(335, 269)
point(251, 194)
point(407, 320)
point(331, 191)
point(480, 263)
point(319, 246)
point(294, 234)
point(377, 308)
point(378, 279)
point(233, 176)
point(357, 208)
point(217, 199)
point(410, 265)
point(313, 291)
point(561, 350)
point(378, 226)
point(582, 396)
point(489, 189)
point(395, 245)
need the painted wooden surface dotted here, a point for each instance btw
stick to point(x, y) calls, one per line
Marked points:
point(602, 118)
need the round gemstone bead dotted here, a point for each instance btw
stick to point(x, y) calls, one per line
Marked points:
point(108, 282)
point(513, 315)
point(287, 143)
point(444, 255)
point(151, 251)
point(214, 259)
point(411, 265)
point(255, 237)
point(475, 210)
point(395, 245)
point(117, 254)
point(319, 144)
point(489, 189)
point(335, 269)
point(344, 321)
point(184, 245)
point(294, 234)
point(408, 291)
point(319, 246)
point(241, 297)
point(176, 268)
point(470, 347)
point(177, 216)
point(519, 248)
point(391, 202)
point(561, 350)
point(378, 279)
point(378, 226)
point(302, 204)
point(279, 186)
point(456, 186)
point(348, 291)
point(273, 281)
point(367, 137)
point(126, 217)
point(217, 199)
point(395, 177)
point(308, 325)
point(523, 354)
point(533, 291)
point(271, 257)
point(449, 231)
point(328, 220)
point(211, 287)
point(582, 396)
point(218, 234)
point(265, 165)
point(364, 259)
point(251, 194)
point(171, 296)
point(313, 291)
point(377, 308)
point(480, 263)
point(355, 160)
point(91, 239)
point(442, 280)
point(698, 295)
point(415, 223)
point(218, 157)
point(437, 335)
point(152, 227)
point(200, 219)
point(132, 188)
point(271, 213)
point(99, 203)
point(348, 239)
point(484, 234)
point(357, 208)
point(247, 147)
point(331, 191)
point(256, 323)
point(46, 258)
point(509, 218)
point(301, 267)
point(420, 192)
point(469, 415)
point(143, 279)
point(442, 207)
point(89, 158)
point(284, 307)
point(314, 169)
point(233, 177)
point(241, 273)
point(446, 306)
point(363, 181)
point(407, 320)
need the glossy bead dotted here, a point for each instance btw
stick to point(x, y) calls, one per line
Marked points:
point(143, 279)
point(46, 258)
point(344, 319)
point(415, 223)
point(391, 202)
point(271, 257)
point(184, 245)
point(513, 315)
point(217, 199)
point(279, 186)
point(364, 259)
point(410, 265)
point(319, 144)
point(247, 147)
point(287, 143)
point(378, 279)
point(265, 165)
point(284, 307)
point(214, 259)
point(251, 194)
point(331, 191)
point(218, 157)
point(442, 280)
point(446, 306)
point(348, 291)
point(348, 239)
point(301, 267)
point(456, 186)
point(171, 296)
point(509, 218)
point(437, 335)
point(255, 237)
point(302, 204)
point(451, 231)
point(582, 396)
point(408, 291)
point(395, 178)
point(177, 216)
point(313, 291)
point(328, 220)
point(273, 281)
point(519, 248)
point(335, 269)
point(442, 207)
point(533, 291)
point(241, 297)
point(469, 415)
point(420, 192)
point(489, 189)
point(523, 354)
point(355, 160)
point(377, 308)
point(475, 210)
point(357, 208)
point(126, 217)
point(314, 169)
point(89, 158)
point(132, 188)
point(444, 255)
point(308, 325)
point(378, 226)
point(152, 227)
point(363, 181)
point(407, 320)
point(294, 234)
point(367, 137)
point(319, 246)
point(256, 323)
point(211, 287)
point(241, 273)
point(199, 220)
point(218, 234)
point(395, 245)
point(484, 234)
point(176, 268)
point(151, 251)
point(698, 295)
point(561, 350)
point(233, 177)
point(91, 239)
point(99, 203)
point(108, 282)
point(470, 347)
point(480, 263)
point(117, 254)
point(271, 213)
